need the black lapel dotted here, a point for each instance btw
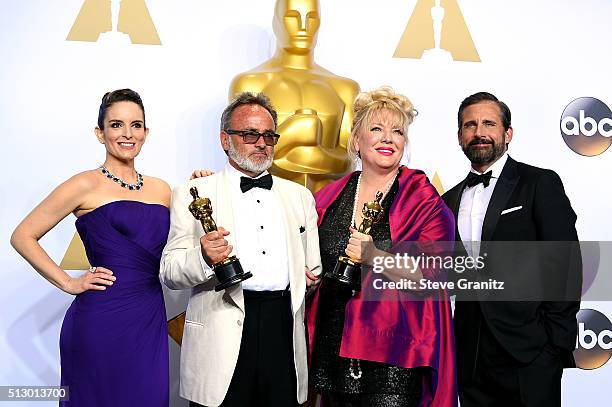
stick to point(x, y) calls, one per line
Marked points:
point(455, 202)
point(503, 189)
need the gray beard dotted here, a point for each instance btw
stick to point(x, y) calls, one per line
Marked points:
point(244, 162)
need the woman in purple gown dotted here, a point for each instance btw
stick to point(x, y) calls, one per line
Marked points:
point(113, 343)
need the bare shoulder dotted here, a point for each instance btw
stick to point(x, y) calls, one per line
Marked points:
point(159, 189)
point(157, 183)
point(83, 182)
point(72, 194)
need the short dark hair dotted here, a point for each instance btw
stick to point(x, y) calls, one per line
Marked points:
point(119, 95)
point(247, 98)
point(479, 97)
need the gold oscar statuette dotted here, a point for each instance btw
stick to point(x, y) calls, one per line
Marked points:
point(347, 270)
point(315, 107)
point(228, 272)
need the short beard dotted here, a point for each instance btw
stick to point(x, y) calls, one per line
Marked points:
point(245, 162)
point(481, 156)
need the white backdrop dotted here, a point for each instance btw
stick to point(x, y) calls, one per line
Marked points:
point(536, 56)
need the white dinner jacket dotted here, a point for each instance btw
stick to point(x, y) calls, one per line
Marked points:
point(213, 324)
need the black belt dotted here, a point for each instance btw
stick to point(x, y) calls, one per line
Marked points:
point(267, 294)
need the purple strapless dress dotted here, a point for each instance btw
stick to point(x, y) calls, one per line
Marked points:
point(114, 343)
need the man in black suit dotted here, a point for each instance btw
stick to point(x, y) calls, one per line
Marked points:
point(511, 353)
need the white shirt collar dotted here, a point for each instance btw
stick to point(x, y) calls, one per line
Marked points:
point(496, 168)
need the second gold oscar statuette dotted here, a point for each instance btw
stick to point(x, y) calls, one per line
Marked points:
point(347, 270)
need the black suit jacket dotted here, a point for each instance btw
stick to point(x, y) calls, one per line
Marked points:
point(523, 328)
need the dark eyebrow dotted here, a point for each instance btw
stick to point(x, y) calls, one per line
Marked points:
point(470, 122)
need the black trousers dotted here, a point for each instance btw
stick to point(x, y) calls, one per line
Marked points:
point(500, 381)
point(265, 371)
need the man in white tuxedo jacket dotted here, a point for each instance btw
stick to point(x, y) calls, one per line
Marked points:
point(245, 344)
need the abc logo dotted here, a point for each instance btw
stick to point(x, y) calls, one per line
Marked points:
point(594, 342)
point(586, 126)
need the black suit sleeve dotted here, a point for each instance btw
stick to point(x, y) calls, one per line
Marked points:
point(554, 217)
point(555, 223)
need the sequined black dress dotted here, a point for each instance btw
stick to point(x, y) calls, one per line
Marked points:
point(330, 373)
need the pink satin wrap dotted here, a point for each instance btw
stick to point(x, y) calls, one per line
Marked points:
point(400, 329)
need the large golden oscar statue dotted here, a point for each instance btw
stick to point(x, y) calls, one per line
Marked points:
point(315, 107)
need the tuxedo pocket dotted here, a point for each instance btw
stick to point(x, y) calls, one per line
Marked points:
point(510, 210)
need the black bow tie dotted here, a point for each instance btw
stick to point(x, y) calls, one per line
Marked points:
point(264, 182)
point(474, 179)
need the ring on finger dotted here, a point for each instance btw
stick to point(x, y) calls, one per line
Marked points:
point(93, 269)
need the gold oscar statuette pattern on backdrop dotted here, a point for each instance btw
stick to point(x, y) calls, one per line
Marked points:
point(75, 257)
point(437, 183)
point(420, 33)
point(96, 18)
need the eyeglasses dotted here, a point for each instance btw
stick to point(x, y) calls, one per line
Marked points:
point(252, 136)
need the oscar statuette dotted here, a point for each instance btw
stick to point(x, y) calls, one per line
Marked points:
point(314, 105)
point(347, 270)
point(229, 272)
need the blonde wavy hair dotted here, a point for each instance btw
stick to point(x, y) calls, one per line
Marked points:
point(368, 104)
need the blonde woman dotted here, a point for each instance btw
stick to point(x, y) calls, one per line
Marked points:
point(365, 352)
